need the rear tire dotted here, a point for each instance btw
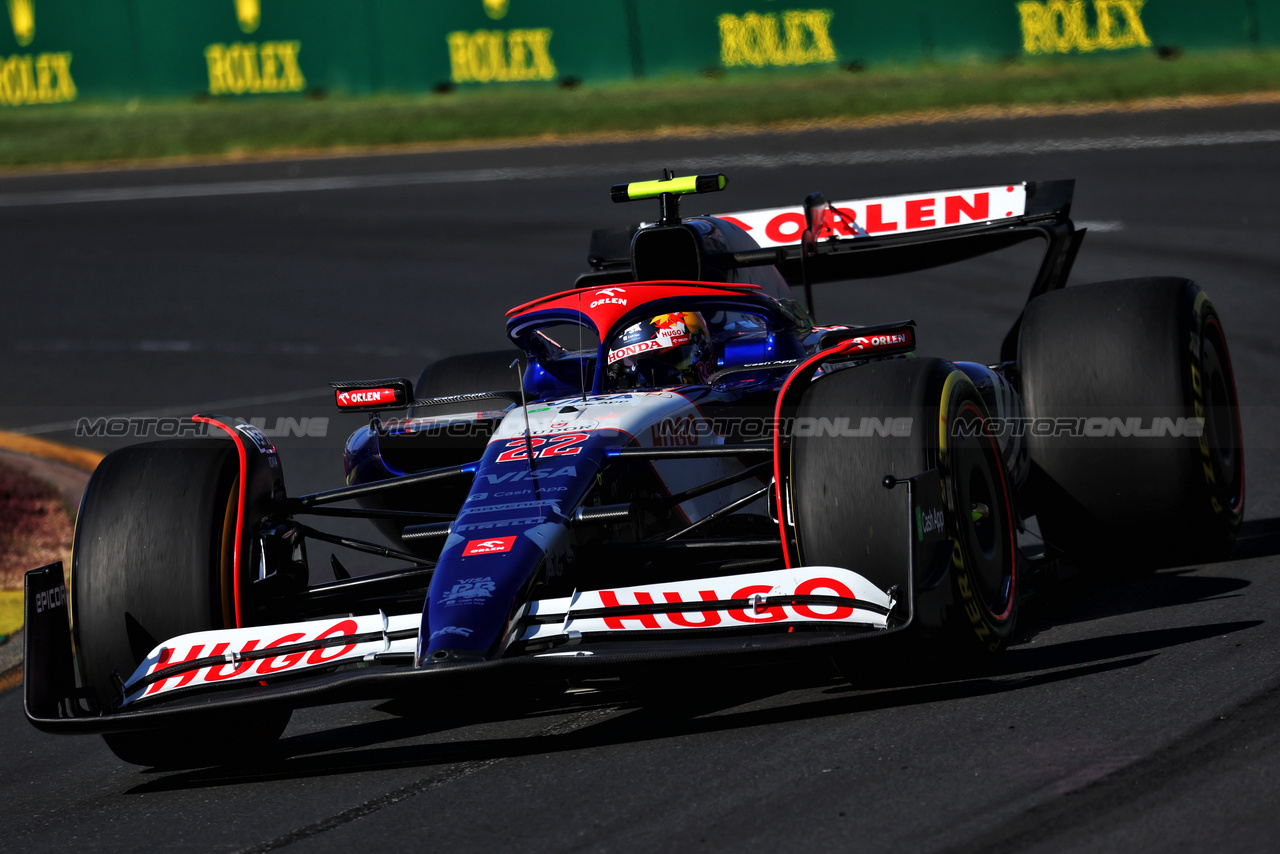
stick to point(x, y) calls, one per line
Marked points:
point(152, 560)
point(844, 517)
point(1140, 348)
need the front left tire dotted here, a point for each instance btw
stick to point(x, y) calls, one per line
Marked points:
point(152, 560)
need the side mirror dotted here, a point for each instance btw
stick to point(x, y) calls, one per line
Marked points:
point(370, 395)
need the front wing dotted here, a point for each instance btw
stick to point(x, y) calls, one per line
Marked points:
point(799, 611)
point(371, 657)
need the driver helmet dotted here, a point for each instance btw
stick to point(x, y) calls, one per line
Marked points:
point(670, 349)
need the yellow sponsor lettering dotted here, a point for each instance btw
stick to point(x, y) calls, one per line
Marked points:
point(1131, 30)
point(253, 69)
point(60, 63)
point(18, 81)
point(501, 56)
point(970, 601)
point(269, 67)
point(488, 58)
point(458, 67)
point(248, 15)
point(44, 78)
point(791, 37)
point(242, 68)
point(215, 58)
point(291, 77)
point(519, 57)
point(1063, 26)
point(22, 15)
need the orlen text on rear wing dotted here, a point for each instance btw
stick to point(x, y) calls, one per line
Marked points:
point(867, 238)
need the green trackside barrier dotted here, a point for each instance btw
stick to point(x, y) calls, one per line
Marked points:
point(1267, 22)
point(1101, 26)
point(255, 47)
point(56, 51)
point(432, 45)
point(726, 35)
point(49, 44)
point(232, 48)
point(679, 36)
point(714, 36)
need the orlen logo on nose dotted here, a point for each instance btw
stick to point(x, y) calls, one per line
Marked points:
point(363, 397)
point(494, 546)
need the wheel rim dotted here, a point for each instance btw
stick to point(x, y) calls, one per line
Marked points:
point(1222, 420)
point(226, 561)
point(986, 541)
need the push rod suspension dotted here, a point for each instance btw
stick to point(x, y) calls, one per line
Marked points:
point(348, 492)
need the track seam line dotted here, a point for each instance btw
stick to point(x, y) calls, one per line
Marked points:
point(381, 802)
point(859, 157)
point(367, 808)
point(1120, 789)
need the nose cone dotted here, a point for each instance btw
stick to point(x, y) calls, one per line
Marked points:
point(514, 522)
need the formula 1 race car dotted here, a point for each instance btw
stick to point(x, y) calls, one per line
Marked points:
point(676, 465)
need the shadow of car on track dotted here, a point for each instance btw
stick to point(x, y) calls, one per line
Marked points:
point(669, 703)
point(615, 715)
point(1093, 591)
point(1098, 595)
point(1258, 538)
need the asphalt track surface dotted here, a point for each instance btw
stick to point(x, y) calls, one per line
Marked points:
point(1133, 713)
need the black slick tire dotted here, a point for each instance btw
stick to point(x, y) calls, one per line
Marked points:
point(152, 560)
point(1137, 363)
point(844, 517)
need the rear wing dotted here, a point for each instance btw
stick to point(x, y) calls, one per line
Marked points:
point(822, 241)
point(867, 238)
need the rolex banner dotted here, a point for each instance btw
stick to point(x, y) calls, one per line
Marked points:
point(66, 50)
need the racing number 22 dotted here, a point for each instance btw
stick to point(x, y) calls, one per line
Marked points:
point(543, 446)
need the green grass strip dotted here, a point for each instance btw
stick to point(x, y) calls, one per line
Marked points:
point(88, 132)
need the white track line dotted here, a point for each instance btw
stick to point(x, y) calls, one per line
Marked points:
point(541, 173)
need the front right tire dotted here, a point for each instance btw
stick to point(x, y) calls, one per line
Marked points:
point(844, 517)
